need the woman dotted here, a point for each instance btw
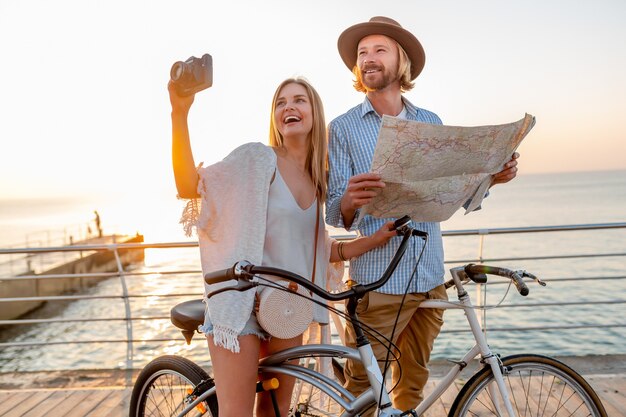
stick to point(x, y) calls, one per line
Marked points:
point(262, 204)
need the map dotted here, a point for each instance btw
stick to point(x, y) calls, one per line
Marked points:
point(430, 171)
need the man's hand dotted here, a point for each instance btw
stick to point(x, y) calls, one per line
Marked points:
point(361, 190)
point(508, 172)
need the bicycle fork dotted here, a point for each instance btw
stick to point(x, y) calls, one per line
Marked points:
point(496, 369)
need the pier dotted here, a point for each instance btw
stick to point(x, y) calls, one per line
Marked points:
point(62, 269)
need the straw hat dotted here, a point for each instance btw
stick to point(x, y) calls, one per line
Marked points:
point(380, 25)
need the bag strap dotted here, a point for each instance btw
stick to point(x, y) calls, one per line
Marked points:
point(317, 225)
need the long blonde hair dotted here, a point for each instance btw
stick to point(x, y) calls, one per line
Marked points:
point(316, 160)
point(403, 73)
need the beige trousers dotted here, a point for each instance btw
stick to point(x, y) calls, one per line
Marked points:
point(414, 336)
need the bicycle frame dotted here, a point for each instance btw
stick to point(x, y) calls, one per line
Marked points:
point(277, 363)
point(485, 391)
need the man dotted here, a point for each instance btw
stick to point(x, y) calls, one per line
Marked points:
point(385, 59)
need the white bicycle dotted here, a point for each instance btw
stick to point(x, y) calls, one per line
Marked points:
point(515, 386)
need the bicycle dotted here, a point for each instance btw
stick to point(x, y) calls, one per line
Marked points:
point(518, 385)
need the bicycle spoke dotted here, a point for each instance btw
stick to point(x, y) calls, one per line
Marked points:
point(538, 387)
point(486, 403)
point(310, 401)
point(164, 386)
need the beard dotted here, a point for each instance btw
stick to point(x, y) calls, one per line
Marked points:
point(380, 81)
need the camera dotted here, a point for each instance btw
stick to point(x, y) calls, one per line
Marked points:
point(193, 75)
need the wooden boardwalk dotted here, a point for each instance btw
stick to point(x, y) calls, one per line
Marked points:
point(114, 401)
point(93, 402)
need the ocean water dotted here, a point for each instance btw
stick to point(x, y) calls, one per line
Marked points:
point(530, 200)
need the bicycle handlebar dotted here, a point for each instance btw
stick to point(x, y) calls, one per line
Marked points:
point(244, 271)
point(517, 277)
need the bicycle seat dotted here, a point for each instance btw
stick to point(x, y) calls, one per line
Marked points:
point(187, 316)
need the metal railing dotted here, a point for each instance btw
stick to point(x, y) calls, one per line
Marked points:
point(481, 289)
point(128, 319)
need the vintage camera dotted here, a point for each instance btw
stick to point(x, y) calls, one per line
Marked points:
point(192, 75)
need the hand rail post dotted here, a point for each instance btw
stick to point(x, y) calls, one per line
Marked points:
point(481, 290)
point(129, 322)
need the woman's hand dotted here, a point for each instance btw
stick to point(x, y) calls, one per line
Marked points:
point(180, 104)
point(382, 235)
point(342, 251)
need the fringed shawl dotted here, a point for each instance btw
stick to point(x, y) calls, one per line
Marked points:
point(230, 219)
point(230, 222)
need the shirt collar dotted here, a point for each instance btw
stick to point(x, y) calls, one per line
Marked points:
point(366, 107)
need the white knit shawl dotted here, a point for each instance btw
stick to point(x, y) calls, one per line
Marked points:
point(231, 226)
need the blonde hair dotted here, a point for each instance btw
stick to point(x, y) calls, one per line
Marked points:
point(316, 160)
point(403, 73)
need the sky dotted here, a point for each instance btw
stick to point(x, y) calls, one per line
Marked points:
point(84, 108)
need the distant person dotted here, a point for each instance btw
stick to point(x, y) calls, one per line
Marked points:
point(385, 58)
point(97, 221)
point(261, 203)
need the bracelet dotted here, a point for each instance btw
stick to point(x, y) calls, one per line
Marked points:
point(340, 251)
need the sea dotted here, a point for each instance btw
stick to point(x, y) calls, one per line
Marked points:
point(593, 310)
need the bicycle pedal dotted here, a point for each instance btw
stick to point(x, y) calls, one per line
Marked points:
point(201, 407)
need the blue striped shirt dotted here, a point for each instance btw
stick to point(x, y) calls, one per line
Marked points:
point(352, 139)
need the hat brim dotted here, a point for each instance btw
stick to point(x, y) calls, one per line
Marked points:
point(350, 38)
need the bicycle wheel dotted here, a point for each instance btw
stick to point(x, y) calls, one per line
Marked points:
point(538, 386)
point(165, 387)
point(308, 400)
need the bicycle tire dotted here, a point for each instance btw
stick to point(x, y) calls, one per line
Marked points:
point(310, 401)
point(538, 386)
point(163, 388)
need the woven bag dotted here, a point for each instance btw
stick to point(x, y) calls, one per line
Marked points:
point(282, 313)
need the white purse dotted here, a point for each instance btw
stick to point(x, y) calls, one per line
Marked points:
point(284, 313)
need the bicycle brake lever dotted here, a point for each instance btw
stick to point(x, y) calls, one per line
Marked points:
point(534, 277)
point(423, 235)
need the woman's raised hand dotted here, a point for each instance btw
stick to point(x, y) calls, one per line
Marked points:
point(180, 104)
